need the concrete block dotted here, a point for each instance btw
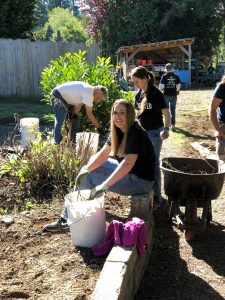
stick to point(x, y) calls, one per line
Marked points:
point(110, 281)
point(124, 268)
point(141, 205)
point(120, 254)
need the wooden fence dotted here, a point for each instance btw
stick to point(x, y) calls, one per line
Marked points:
point(22, 61)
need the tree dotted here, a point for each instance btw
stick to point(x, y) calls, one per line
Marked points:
point(220, 53)
point(4, 5)
point(42, 13)
point(128, 22)
point(71, 4)
point(98, 12)
point(60, 19)
point(17, 18)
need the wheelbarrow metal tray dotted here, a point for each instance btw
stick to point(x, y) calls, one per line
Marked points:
point(193, 177)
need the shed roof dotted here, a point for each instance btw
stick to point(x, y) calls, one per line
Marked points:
point(156, 46)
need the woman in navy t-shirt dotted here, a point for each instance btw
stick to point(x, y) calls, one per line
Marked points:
point(152, 111)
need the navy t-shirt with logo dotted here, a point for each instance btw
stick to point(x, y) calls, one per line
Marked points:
point(151, 118)
point(139, 143)
point(170, 80)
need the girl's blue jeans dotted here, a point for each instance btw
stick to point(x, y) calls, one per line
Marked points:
point(154, 136)
point(130, 184)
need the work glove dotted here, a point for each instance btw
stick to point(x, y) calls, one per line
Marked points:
point(81, 175)
point(103, 187)
point(164, 133)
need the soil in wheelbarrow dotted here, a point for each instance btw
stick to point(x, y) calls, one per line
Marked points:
point(37, 265)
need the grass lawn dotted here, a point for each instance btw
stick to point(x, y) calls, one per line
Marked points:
point(26, 108)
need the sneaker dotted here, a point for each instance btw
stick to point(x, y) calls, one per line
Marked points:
point(172, 127)
point(57, 226)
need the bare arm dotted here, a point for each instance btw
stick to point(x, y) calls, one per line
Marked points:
point(215, 102)
point(161, 86)
point(166, 115)
point(91, 117)
point(99, 158)
point(123, 169)
point(178, 86)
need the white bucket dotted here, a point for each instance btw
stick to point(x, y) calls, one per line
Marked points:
point(86, 220)
point(29, 128)
point(87, 139)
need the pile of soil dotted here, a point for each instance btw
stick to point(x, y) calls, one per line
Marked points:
point(39, 265)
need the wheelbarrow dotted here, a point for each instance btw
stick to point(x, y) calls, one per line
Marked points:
point(192, 183)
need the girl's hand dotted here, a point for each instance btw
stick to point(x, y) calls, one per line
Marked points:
point(164, 133)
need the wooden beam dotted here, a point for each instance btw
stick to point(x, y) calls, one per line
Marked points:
point(157, 46)
point(188, 53)
point(189, 63)
point(184, 50)
point(131, 56)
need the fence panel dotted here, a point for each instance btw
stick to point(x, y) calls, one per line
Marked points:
point(22, 61)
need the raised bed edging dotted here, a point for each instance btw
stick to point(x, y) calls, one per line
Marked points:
point(124, 268)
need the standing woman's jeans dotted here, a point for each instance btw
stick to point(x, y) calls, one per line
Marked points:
point(130, 184)
point(171, 102)
point(220, 145)
point(154, 136)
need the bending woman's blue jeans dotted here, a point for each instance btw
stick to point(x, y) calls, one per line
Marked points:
point(154, 136)
point(130, 184)
point(61, 114)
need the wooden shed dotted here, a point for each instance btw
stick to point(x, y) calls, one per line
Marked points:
point(154, 56)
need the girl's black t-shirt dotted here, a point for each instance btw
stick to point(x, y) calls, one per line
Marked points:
point(139, 143)
point(151, 118)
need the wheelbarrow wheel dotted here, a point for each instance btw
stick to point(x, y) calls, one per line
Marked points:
point(191, 218)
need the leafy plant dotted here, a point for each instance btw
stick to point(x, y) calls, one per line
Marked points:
point(3, 210)
point(29, 205)
point(46, 169)
point(75, 67)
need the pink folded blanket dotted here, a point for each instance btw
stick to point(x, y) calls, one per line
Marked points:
point(128, 234)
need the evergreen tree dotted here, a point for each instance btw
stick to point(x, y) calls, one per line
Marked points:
point(42, 13)
point(17, 18)
point(3, 17)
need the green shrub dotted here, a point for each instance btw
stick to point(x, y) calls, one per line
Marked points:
point(72, 67)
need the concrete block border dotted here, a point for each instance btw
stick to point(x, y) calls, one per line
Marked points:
point(124, 268)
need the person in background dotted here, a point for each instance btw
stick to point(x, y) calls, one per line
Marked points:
point(217, 117)
point(219, 73)
point(211, 72)
point(152, 111)
point(67, 100)
point(170, 84)
point(125, 164)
